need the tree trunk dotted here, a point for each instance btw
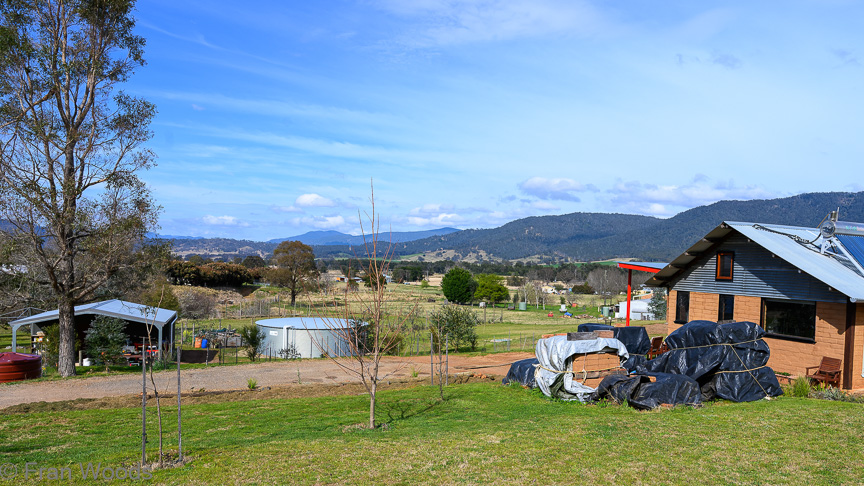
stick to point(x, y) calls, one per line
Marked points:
point(66, 356)
point(372, 393)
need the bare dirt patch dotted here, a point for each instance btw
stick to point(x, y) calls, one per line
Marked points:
point(283, 379)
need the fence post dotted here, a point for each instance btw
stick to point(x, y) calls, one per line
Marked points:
point(431, 364)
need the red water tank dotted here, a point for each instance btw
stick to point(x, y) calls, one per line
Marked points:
point(19, 366)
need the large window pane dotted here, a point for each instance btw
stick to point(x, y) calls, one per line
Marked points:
point(789, 318)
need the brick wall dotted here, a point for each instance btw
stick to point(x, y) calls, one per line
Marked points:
point(858, 361)
point(794, 357)
point(702, 307)
point(748, 309)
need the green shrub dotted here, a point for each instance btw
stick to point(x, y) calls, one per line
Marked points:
point(252, 383)
point(253, 341)
point(458, 322)
point(801, 387)
point(104, 340)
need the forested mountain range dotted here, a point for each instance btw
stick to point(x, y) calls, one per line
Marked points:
point(581, 236)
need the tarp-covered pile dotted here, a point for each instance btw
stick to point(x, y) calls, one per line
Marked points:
point(705, 361)
point(728, 361)
point(555, 370)
point(634, 338)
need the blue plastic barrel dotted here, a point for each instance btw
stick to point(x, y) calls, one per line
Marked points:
point(204, 343)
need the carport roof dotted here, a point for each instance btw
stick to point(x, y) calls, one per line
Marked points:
point(128, 311)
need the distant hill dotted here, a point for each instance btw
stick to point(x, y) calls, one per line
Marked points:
point(570, 237)
point(173, 237)
point(337, 238)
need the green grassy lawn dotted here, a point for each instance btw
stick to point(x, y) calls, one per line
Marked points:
point(482, 433)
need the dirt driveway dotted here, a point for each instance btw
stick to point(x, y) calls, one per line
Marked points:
point(271, 374)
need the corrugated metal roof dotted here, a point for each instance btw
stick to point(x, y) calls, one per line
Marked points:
point(129, 311)
point(796, 245)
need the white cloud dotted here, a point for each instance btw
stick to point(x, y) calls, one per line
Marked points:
point(285, 209)
point(321, 222)
point(223, 221)
point(666, 200)
point(431, 209)
point(313, 201)
point(558, 189)
point(441, 219)
point(452, 22)
point(545, 206)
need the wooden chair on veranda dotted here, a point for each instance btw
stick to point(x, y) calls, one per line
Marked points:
point(828, 371)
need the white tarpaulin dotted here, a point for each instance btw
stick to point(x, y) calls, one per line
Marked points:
point(554, 376)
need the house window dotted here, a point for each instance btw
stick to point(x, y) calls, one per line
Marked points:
point(726, 308)
point(724, 265)
point(788, 318)
point(682, 307)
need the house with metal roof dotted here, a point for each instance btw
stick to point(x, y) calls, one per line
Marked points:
point(805, 286)
point(138, 319)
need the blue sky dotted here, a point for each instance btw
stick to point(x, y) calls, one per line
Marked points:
point(275, 116)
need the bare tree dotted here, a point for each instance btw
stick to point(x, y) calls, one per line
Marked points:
point(70, 147)
point(607, 281)
point(370, 331)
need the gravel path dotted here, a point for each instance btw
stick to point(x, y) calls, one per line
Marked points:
point(270, 374)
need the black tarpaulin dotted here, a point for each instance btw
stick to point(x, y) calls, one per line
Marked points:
point(646, 392)
point(635, 338)
point(522, 371)
point(727, 360)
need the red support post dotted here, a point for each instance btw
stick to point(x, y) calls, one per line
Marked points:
point(629, 293)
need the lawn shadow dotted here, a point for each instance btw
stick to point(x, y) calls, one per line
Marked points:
point(406, 408)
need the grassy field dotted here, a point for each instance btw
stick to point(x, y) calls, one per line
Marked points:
point(482, 433)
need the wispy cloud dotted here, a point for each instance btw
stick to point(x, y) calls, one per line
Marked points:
point(321, 222)
point(726, 60)
point(847, 57)
point(431, 209)
point(452, 22)
point(666, 200)
point(285, 209)
point(561, 189)
point(273, 107)
point(440, 219)
point(313, 201)
point(223, 221)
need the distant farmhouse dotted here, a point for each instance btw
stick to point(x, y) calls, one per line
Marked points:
point(805, 286)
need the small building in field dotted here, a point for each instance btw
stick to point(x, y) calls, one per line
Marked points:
point(804, 286)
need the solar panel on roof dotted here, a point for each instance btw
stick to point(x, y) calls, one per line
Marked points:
point(854, 245)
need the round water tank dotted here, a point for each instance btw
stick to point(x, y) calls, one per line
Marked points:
point(19, 366)
point(306, 337)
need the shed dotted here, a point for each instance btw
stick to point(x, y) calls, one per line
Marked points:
point(804, 286)
point(137, 317)
point(305, 337)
